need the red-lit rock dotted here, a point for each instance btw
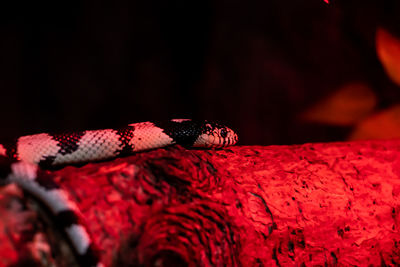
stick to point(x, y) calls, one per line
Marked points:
point(312, 204)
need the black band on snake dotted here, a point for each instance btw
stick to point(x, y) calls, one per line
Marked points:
point(21, 162)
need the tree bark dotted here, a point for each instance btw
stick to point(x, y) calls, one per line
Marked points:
point(334, 204)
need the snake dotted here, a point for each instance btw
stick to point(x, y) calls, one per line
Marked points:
point(26, 160)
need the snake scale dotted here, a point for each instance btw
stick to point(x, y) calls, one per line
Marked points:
point(25, 160)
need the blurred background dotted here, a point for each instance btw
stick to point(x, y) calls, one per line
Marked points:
point(278, 72)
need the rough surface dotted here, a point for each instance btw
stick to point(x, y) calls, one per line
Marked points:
point(312, 204)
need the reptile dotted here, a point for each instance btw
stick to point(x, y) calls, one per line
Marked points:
point(25, 161)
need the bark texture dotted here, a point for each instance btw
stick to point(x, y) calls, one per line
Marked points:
point(334, 204)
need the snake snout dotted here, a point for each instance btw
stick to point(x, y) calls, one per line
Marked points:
point(231, 137)
point(216, 136)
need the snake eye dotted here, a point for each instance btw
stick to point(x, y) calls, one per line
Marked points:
point(223, 133)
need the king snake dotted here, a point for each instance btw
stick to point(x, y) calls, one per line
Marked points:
point(23, 162)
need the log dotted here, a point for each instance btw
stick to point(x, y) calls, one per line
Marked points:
point(333, 204)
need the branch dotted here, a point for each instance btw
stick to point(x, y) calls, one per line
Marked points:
point(310, 204)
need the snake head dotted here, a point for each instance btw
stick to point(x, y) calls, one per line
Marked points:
point(189, 133)
point(213, 134)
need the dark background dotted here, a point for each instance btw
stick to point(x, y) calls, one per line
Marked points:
point(254, 65)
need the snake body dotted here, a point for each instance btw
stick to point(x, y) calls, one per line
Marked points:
point(23, 162)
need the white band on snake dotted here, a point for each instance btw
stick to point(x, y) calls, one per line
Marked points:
point(22, 162)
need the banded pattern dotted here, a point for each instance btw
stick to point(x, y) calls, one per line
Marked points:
point(20, 161)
